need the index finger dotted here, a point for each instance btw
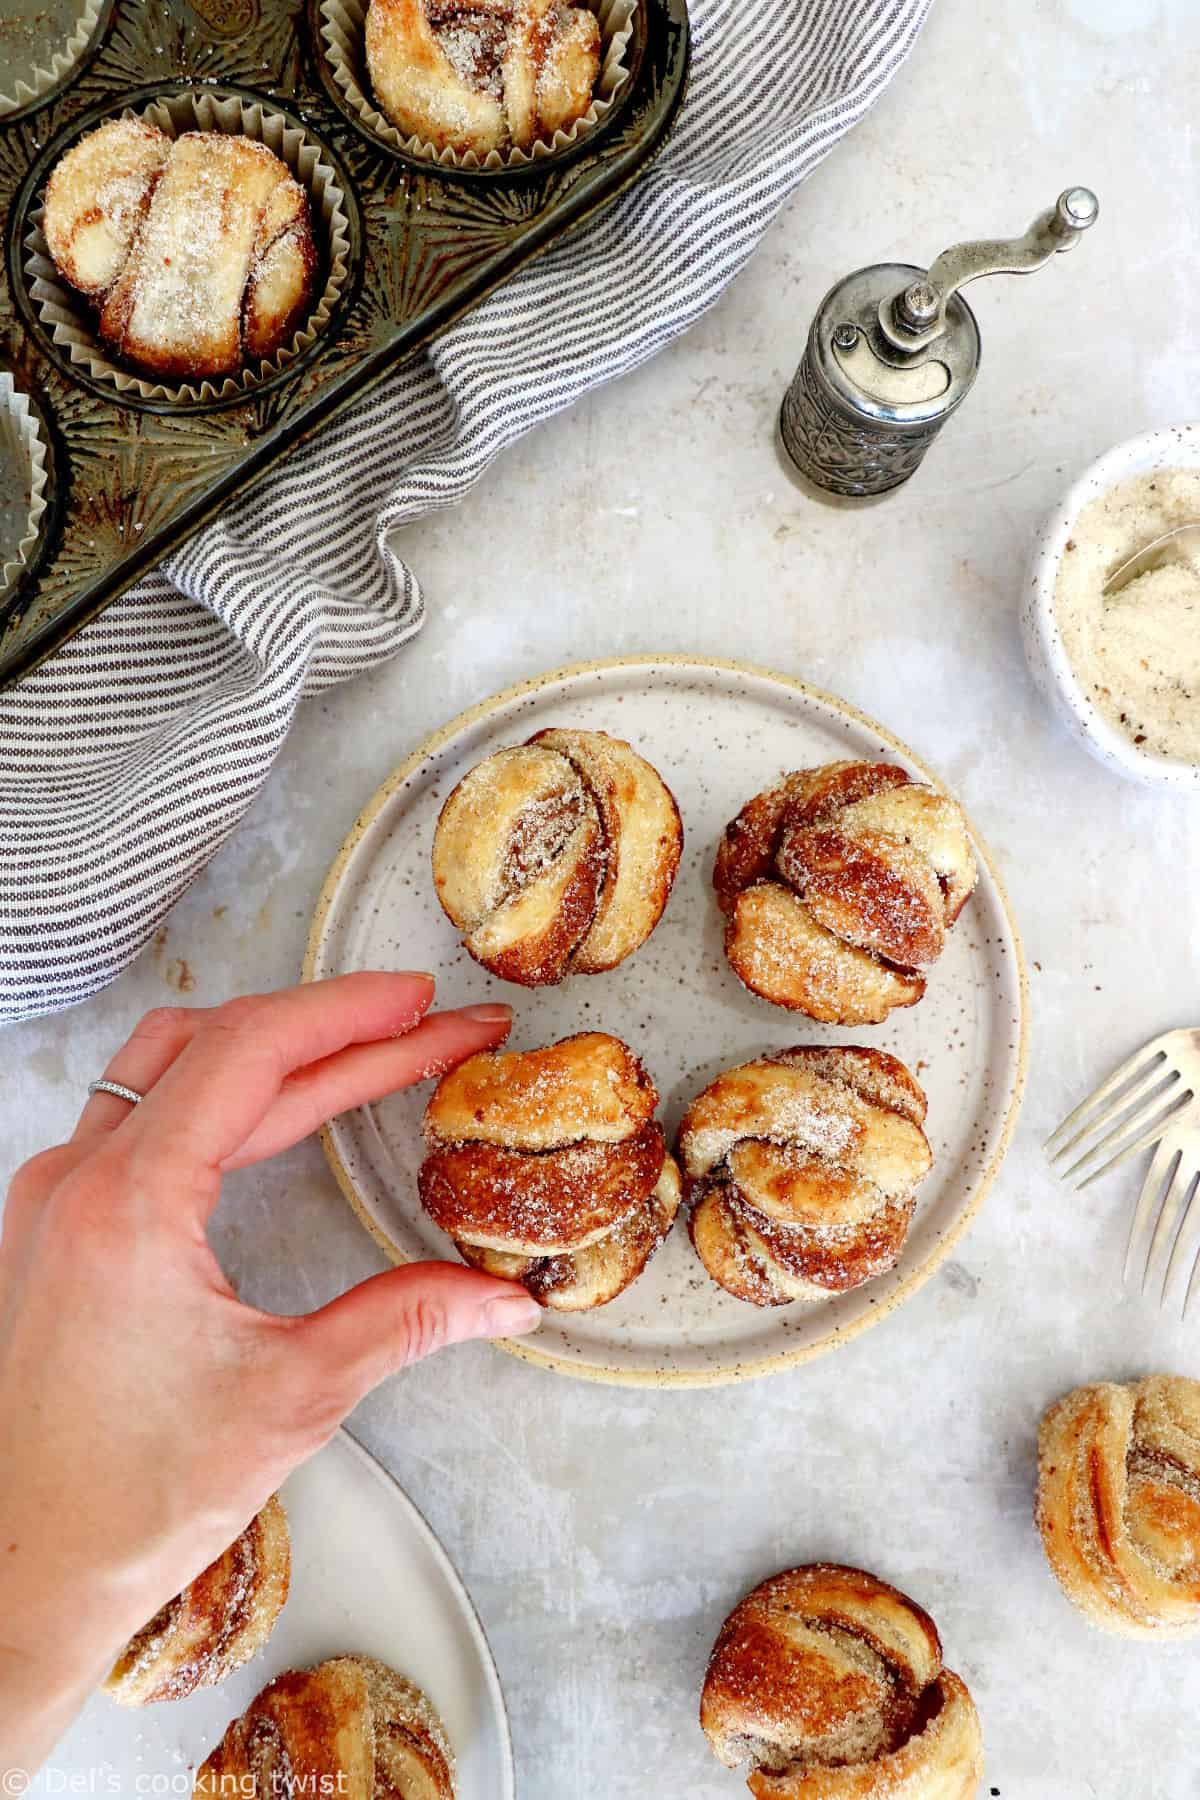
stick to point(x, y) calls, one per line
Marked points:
point(221, 1085)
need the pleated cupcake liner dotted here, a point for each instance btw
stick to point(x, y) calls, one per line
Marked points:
point(343, 34)
point(23, 450)
point(18, 90)
point(72, 324)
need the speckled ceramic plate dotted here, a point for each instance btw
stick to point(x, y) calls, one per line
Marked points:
point(718, 732)
point(368, 1576)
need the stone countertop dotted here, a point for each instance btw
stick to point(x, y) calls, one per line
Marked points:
point(604, 1533)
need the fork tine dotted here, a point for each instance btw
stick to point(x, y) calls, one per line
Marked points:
point(1152, 1187)
point(1134, 1065)
point(1127, 1107)
point(1123, 1144)
point(1166, 1229)
point(1186, 1242)
point(1193, 1283)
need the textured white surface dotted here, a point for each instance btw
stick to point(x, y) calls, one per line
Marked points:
point(604, 1534)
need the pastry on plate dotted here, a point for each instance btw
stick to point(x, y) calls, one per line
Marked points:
point(556, 857)
point(830, 1684)
point(1118, 1503)
point(839, 885)
point(802, 1169)
point(548, 1167)
point(489, 75)
point(217, 1623)
point(351, 1727)
point(196, 251)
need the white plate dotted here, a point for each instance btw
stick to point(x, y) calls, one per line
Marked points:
point(718, 732)
point(369, 1576)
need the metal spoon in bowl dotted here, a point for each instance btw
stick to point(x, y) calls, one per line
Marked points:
point(1148, 557)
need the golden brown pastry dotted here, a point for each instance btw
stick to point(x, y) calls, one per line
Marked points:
point(556, 857)
point(413, 1758)
point(548, 1167)
point(220, 1620)
point(482, 75)
point(830, 1684)
point(802, 1169)
point(839, 885)
point(350, 1727)
point(1118, 1503)
point(197, 250)
point(310, 1731)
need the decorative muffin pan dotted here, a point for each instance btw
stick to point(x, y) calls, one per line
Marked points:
point(128, 467)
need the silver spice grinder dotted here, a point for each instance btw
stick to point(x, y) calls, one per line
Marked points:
point(894, 350)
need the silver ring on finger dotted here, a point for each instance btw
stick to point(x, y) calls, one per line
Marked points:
point(117, 1090)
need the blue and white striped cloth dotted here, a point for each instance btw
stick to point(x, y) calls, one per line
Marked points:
point(130, 756)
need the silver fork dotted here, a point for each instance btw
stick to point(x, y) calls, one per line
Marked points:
point(1154, 1098)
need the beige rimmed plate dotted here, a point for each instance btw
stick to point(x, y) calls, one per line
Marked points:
point(718, 732)
point(368, 1578)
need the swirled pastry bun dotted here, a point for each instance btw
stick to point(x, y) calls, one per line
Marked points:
point(310, 1731)
point(838, 886)
point(1118, 1504)
point(351, 1727)
point(482, 76)
point(197, 250)
point(216, 1624)
point(413, 1758)
point(548, 1167)
point(557, 857)
point(802, 1170)
point(830, 1684)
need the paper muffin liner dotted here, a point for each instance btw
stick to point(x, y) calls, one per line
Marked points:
point(343, 36)
point(17, 91)
point(23, 449)
point(71, 323)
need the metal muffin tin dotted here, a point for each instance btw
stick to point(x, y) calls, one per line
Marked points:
point(131, 478)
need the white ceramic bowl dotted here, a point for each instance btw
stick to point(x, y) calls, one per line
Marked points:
point(1172, 447)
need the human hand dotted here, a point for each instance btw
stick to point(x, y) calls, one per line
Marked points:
point(146, 1413)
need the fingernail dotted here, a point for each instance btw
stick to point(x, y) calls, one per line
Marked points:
point(511, 1316)
point(490, 1014)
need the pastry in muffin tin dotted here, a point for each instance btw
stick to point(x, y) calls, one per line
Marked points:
point(197, 251)
point(482, 76)
point(839, 885)
point(557, 856)
point(548, 1167)
point(802, 1169)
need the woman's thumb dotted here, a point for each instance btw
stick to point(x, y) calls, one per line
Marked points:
point(397, 1318)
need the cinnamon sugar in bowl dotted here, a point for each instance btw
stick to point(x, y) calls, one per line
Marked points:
point(1075, 642)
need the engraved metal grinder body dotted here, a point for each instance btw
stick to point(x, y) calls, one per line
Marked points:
point(894, 350)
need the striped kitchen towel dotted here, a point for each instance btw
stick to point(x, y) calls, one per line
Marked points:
point(129, 757)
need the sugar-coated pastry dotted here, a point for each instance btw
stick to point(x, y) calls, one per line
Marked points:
point(482, 76)
point(548, 1167)
point(308, 1731)
point(351, 1727)
point(197, 250)
point(413, 1758)
point(557, 857)
point(217, 1623)
point(1118, 1503)
point(830, 1684)
point(801, 1170)
point(839, 885)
